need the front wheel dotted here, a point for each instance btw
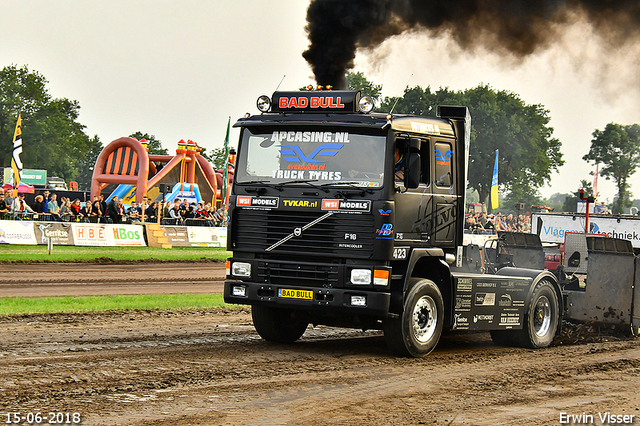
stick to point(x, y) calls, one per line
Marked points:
point(417, 331)
point(277, 324)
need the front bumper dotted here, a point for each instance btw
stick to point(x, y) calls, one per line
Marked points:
point(324, 299)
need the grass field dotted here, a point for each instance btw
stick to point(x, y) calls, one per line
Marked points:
point(39, 253)
point(41, 305)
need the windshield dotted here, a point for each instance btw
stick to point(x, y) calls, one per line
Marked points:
point(322, 157)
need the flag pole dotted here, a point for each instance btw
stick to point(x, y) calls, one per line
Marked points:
point(225, 174)
point(16, 163)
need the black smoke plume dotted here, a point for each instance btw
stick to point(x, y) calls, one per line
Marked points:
point(337, 28)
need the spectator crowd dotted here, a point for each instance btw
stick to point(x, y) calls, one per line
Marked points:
point(46, 206)
point(482, 223)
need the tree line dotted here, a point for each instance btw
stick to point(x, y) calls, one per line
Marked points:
point(53, 138)
point(529, 153)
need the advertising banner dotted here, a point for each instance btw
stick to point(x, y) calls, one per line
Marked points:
point(90, 234)
point(126, 235)
point(59, 233)
point(206, 236)
point(553, 227)
point(177, 235)
point(29, 176)
point(17, 232)
point(97, 234)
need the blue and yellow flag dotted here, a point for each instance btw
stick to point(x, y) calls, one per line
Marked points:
point(16, 163)
point(494, 185)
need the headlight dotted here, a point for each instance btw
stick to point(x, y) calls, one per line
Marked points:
point(361, 276)
point(264, 103)
point(365, 104)
point(241, 269)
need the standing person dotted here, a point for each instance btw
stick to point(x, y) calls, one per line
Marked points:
point(152, 212)
point(483, 219)
point(8, 198)
point(4, 209)
point(133, 213)
point(121, 209)
point(112, 210)
point(86, 211)
point(45, 196)
point(182, 208)
point(191, 212)
point(174, 212)
point(52, 207)
point(200, 212)
point(65, 210)
point(103, 205)
point(76, 207)
point(489, 225)
point(142, 208)
point(498, 223)
point(38, 204)
point(96, 213)
point(20, 206)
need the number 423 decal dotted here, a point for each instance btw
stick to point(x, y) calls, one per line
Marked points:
point(400, 252)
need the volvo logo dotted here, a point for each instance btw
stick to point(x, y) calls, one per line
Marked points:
point(297, 232)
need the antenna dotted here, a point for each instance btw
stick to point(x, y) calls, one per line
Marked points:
point(396, 103)
point(280, 83)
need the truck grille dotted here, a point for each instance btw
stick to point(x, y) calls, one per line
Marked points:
point(298, 273)
point(256, 230)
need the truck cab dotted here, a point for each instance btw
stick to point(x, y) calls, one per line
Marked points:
point(345, 217)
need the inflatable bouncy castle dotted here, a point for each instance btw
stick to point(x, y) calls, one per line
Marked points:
point(127, 163)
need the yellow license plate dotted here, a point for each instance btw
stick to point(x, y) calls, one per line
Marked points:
point(295, 294)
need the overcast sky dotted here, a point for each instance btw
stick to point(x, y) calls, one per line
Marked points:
point(179, 70)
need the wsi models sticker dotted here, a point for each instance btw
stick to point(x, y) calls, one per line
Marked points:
point(361, 206)
point(257, 202)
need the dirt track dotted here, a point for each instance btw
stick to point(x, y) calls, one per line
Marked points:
point(210, 368)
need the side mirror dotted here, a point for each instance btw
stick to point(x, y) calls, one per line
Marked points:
point(412, 170)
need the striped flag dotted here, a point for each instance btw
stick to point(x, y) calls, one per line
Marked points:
point(16, 163)
point(494, 185)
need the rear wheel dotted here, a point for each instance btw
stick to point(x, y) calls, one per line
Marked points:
point(417, 331)
point(542, 318)
point(277, 324)
point(540, 321)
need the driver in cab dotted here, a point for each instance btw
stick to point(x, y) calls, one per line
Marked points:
point(399, 166)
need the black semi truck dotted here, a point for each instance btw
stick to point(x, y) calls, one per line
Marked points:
point(345, 217)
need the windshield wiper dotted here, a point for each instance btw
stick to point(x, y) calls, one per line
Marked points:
point(257, 190)
point(307, 181)
point(345, 194)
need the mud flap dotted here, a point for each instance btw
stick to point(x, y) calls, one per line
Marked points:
point(635, 307)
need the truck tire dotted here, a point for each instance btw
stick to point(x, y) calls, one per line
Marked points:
point(540, 321)
point(277, 324)
point(417, 331)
